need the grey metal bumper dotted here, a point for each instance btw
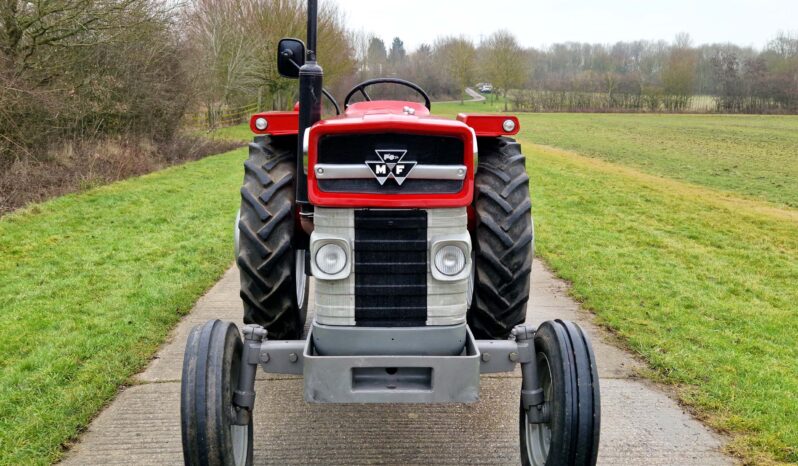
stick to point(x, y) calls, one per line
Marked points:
point(389, 378)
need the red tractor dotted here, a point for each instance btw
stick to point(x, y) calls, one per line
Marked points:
point(418, 235)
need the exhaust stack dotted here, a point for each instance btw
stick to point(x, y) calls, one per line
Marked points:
point(311, 78)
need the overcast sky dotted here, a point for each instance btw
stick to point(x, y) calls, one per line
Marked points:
point(537, 23)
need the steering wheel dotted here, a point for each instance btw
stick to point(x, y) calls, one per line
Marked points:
point(362, 89)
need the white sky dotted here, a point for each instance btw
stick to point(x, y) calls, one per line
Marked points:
point(537, 23)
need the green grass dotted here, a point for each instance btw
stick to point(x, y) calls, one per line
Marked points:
point(90, 285)
point(493, 104)
point(231, 133)
point(755, 156)
point(700, 284)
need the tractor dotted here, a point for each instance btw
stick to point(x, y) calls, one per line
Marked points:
point(417, 233)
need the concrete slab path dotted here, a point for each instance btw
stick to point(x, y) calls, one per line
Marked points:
point(640, 423)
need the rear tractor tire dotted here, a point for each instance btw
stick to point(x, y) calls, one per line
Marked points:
point(503, 242)
point(269, 251)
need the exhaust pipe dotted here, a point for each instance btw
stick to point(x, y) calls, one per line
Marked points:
point(311, 78)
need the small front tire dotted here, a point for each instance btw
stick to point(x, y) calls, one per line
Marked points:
point(567, 373)
point(211, 366)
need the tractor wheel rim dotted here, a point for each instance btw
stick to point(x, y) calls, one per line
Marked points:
point(240, 438)
point(239, 435)
point(538, 436)
point(237, 234)
point(301, 278)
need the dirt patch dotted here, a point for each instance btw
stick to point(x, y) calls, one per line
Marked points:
point(77, 166)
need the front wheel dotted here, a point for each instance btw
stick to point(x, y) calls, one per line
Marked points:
point(567, 373)
point(211, 365)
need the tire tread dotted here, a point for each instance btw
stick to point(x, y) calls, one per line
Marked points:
point(503, 240)
point(268, 237)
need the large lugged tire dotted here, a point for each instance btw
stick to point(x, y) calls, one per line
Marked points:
point(211, 365)
point(569, 378)
point(271, 263)
point(504, 240)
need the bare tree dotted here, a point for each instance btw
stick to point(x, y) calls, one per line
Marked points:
point(678, 77)
point(504, 62)
point(84, 68)
point(460, 59)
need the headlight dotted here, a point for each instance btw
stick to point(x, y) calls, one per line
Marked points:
point(331, 259)
point(450, 260)
point(508, 126)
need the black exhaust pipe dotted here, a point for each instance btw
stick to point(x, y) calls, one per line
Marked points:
point(311, 78)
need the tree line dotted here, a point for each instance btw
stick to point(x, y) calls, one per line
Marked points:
point(77, 69)
point(642, 75)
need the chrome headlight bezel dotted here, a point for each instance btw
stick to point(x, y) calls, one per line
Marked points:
point(318, 241)
point(461, 241)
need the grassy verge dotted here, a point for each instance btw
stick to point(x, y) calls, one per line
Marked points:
point(90, 285)
point(699, 283)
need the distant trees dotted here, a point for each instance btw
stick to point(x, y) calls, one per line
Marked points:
point(377, 57)
point(397, 55)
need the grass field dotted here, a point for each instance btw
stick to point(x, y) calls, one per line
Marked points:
point(90, 285)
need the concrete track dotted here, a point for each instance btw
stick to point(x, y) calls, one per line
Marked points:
point(640, 423)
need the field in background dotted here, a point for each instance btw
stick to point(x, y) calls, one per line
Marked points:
point(754, 156)
point(751, 155)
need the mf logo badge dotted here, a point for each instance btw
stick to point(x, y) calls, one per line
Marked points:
point(391, 165)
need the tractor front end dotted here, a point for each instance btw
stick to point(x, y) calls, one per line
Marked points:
point(417, 233)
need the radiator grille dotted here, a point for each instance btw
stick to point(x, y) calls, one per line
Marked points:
point(357, 149)
point(423, 149)
point(390, 268)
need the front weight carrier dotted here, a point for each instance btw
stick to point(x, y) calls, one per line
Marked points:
point(486, 356)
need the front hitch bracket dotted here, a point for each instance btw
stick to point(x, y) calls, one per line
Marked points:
point(244, 394)
point(532, 398)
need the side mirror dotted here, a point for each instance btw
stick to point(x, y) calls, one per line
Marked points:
point(290, 57)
